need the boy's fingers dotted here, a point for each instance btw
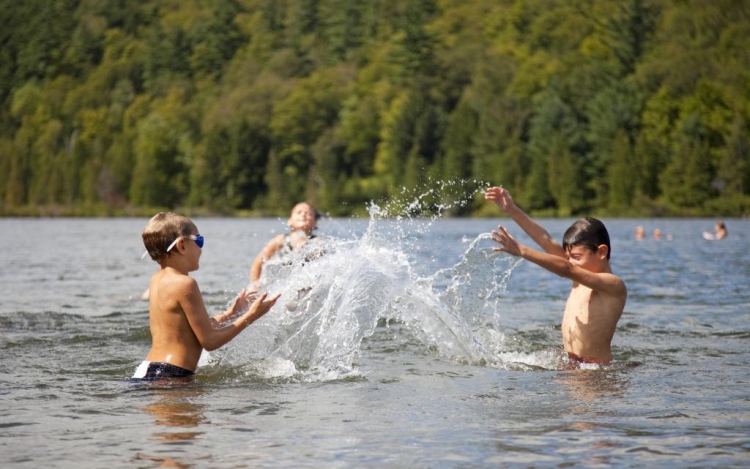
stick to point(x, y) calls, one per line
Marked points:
point(273, 299)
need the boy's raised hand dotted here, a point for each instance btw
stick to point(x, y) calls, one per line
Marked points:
point(260, 307)
point(507, 242)
point(243, 300)
point(501, 197)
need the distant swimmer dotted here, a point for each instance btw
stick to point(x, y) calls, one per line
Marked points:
point(721, 232)
point(640, 232)
point(179, 323)
point(597, 297)
point(303, 220)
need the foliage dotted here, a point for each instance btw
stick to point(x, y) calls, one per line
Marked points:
point(629, 108)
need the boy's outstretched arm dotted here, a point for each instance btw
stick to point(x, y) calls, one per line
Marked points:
point(191, 302)
point(502, 199)
point(600, 281)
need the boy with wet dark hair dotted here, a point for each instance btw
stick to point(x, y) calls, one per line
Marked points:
point(588, 232)
point(179, 323)
point(597, 297)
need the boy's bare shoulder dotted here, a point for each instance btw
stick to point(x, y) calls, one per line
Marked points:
point(604, 282)
point(175, 284)
point(618, 287)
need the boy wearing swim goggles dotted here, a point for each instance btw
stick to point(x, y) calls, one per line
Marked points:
point(180, 325)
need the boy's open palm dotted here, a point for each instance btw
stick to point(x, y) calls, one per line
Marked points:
point(501, 197)
point(507, 242)
point(261, 306)
point(243, 300)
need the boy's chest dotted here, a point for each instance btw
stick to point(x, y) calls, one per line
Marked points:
point(578, 304)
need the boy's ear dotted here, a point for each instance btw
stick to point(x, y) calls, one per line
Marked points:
point(602, 251)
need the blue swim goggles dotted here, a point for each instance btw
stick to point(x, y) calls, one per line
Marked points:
point(197, 238)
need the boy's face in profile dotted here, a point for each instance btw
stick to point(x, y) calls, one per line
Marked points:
point(593, 261)
point(303, 217)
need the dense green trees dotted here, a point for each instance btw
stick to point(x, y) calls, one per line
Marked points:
point(638, 107)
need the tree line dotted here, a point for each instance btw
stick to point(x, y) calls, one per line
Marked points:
point(626, 108)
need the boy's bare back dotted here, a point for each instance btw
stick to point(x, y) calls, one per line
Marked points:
point(173, 339)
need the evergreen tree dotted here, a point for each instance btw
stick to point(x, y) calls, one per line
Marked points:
point(621, 174)
point(686, 180)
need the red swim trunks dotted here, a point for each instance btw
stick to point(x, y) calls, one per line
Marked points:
point(576, 359)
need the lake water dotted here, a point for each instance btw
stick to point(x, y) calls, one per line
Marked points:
point(408, 344)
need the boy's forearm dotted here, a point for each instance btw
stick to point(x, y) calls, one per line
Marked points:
point(229, 331)
point(220, 319)
point(555, 264)
point(540, 236)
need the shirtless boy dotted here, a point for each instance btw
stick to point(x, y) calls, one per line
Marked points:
point(597, 298)
point(180, 325)
point(302, 222)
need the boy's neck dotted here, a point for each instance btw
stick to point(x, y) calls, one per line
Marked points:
point(174, 264)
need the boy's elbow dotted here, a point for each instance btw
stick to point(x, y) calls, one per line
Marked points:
point(211, 346)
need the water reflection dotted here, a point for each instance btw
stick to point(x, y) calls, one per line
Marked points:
point(593, 393)
point(173, 407)
point(163, 461)
point(587, 386)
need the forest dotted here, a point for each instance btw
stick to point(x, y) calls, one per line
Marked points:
point(243, 107)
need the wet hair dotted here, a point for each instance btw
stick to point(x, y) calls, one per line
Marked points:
point(161, 230)
point(588, 232)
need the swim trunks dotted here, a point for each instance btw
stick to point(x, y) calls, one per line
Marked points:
point(151, 371)
point(575, 358)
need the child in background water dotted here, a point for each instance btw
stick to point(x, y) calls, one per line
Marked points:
point(597, 297)
point(721, 232)
point(180, 325)
point(303, 220)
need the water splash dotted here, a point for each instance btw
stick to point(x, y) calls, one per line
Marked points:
point(336, 292)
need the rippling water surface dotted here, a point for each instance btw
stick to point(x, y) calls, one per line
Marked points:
point(398, 342)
